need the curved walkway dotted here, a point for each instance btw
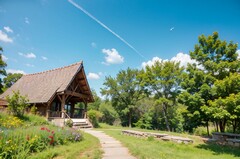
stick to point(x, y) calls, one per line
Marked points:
point(112, 148)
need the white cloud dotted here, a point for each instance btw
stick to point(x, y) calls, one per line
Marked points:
point(44, 58)
point(28, 55)
point(29, 65)
point(4, 37)
point(93, 76)
point(184, 59)
point(93, 44)
point(4, 58)
point(15, 71)
point(26, 20)
point(238, 51)
point(8, 29)
point(151, 62)
point(112, 56)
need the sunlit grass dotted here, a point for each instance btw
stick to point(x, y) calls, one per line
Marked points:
point(147, 148)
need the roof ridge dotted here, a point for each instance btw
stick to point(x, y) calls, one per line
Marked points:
point(54, 69)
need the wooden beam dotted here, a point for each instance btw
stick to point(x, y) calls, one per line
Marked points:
point(80, 95)
point(81, 79)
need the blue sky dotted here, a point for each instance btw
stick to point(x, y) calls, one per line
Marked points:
point(109, 35)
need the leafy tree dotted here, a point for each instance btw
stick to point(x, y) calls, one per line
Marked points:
point(145, 111)
point(204, 81)
point(11, 78)
point(97, 101)
point(125, 92)
point(17, 104)
point(2, 69)
point(109, 114)
point(162, 80)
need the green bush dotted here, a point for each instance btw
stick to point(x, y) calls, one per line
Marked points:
point(69, 123)
point(17, 104)
point(200, 131)
point(144, 122)
point(33, 110)
point(94, 117)
point(109, 114)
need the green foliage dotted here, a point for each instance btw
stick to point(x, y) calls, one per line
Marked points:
point(33, 120)
point(125, 92)
point(97, 101)
point(69, 123)
point(210, 81)
point(10, 79)
point(2, 69)
point(22, 141)
point(17, 104)
point(200, 131)
point(33, 110)
point(20, 137)
point(94, 117)
point(162, 80)
point(109, 114)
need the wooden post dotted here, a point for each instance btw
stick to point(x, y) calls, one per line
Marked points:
point(72, 109)
point(62, 105)
point(48, 110)
point(85, 110)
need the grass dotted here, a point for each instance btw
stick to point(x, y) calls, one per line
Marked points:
point(158, 149)
point(89, 148)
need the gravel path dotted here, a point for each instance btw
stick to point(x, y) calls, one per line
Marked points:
point(112, 148)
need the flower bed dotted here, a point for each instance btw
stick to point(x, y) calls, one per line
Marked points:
point(19, 141)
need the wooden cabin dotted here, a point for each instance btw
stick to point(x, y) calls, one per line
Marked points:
point(55, 92)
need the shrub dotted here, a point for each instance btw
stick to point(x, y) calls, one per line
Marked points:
point(17, 104)
point(69, 123)
point(109, 114)
point(94, 116)
point(33, 110)
point(200, 131)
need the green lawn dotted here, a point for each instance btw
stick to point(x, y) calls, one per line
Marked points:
point(157, 149)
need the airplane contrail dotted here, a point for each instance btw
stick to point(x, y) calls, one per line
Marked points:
point(104, 26)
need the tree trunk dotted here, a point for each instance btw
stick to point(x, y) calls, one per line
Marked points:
point(217, 126)
point(208, 129)
point(165, 117)
point(222, 125)
point(130, 119)
point(234, 123)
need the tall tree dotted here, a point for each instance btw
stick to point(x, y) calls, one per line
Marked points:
point(124, 91)
point(216, 61)
point(11, 78)
point(2, 69)
point(162, 80)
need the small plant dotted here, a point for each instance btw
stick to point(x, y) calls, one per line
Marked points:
point(33, 110)
point(69, 123)
point(94, 117)
point(17, 104)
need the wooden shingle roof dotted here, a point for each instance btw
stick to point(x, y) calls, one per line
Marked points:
point(41, 87)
